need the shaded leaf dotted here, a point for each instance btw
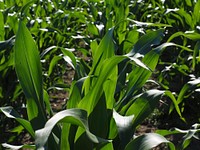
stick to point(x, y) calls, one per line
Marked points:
point(190, 86)
point(11, 113)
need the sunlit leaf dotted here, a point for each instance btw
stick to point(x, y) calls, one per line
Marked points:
point(14, 147)
point(72, 116)
point(53, 62)
point(124, 125)
point(148, 141)
point(144, 105)
point(29, 72)
point(145, 43)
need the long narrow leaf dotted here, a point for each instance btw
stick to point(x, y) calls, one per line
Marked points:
point(92, 98)
point(14, 147)
point(125, 130)
point(29, 72)
point(148, 141)
point(145, 43)
point(144, 105)
point(11, 113)
point(72, 116)
point(191, 85)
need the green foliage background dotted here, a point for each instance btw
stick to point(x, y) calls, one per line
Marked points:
point(125, 55)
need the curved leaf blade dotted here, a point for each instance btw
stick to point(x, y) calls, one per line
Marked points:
point(11, 113)
point(73, 116)
point(13, 147)
point(144, 105)
point(124, 125)
point(145, 43)
point(148, 141)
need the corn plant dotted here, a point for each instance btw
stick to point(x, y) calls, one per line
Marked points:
point(104, 108)
point(108, 100)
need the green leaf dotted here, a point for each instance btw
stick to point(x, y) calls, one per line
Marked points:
point(167, 132)
point(2, 30)
point(73, 116)
point(26, 6)
point(187, 17)
point(196, 16)
point(171, 96)
point(53, 62)
point(92, 29)
point(189, 86)
point(106, 146)
point(99, 120)
point(125, 130)
point(139, 75)
point(7, 44)
point(144, 105)
point(47, 50)
point(75, 93)
point(145, 43)
point(148, 141)
point(92, 98)
point(189, 35)
point(196, 51)
point(187, 135)
point(69, 57)
point(13, 147)
point(29, 72)
point(11, 113)
point(138, 23)
point(106, 49)
point(47, 103)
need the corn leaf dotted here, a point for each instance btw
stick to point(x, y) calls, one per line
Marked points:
point(186, 139)
point(29, 72)
point(139, 75)
point(7, 43)
point(138, 23)
point(148, 141)
point(91, 99)
point(144, 105)
point(73, 116)
point(99, 119)
point(106, 49)
point(75, 93)
point(2, 30)
point(171, 96)
point(196, 16)
point(14, 147)
point(189, 35)
point(196, 51)
point(190, 86)
point(145, 43)
point(53, 62)
point(11, 113)
point(124, 126)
